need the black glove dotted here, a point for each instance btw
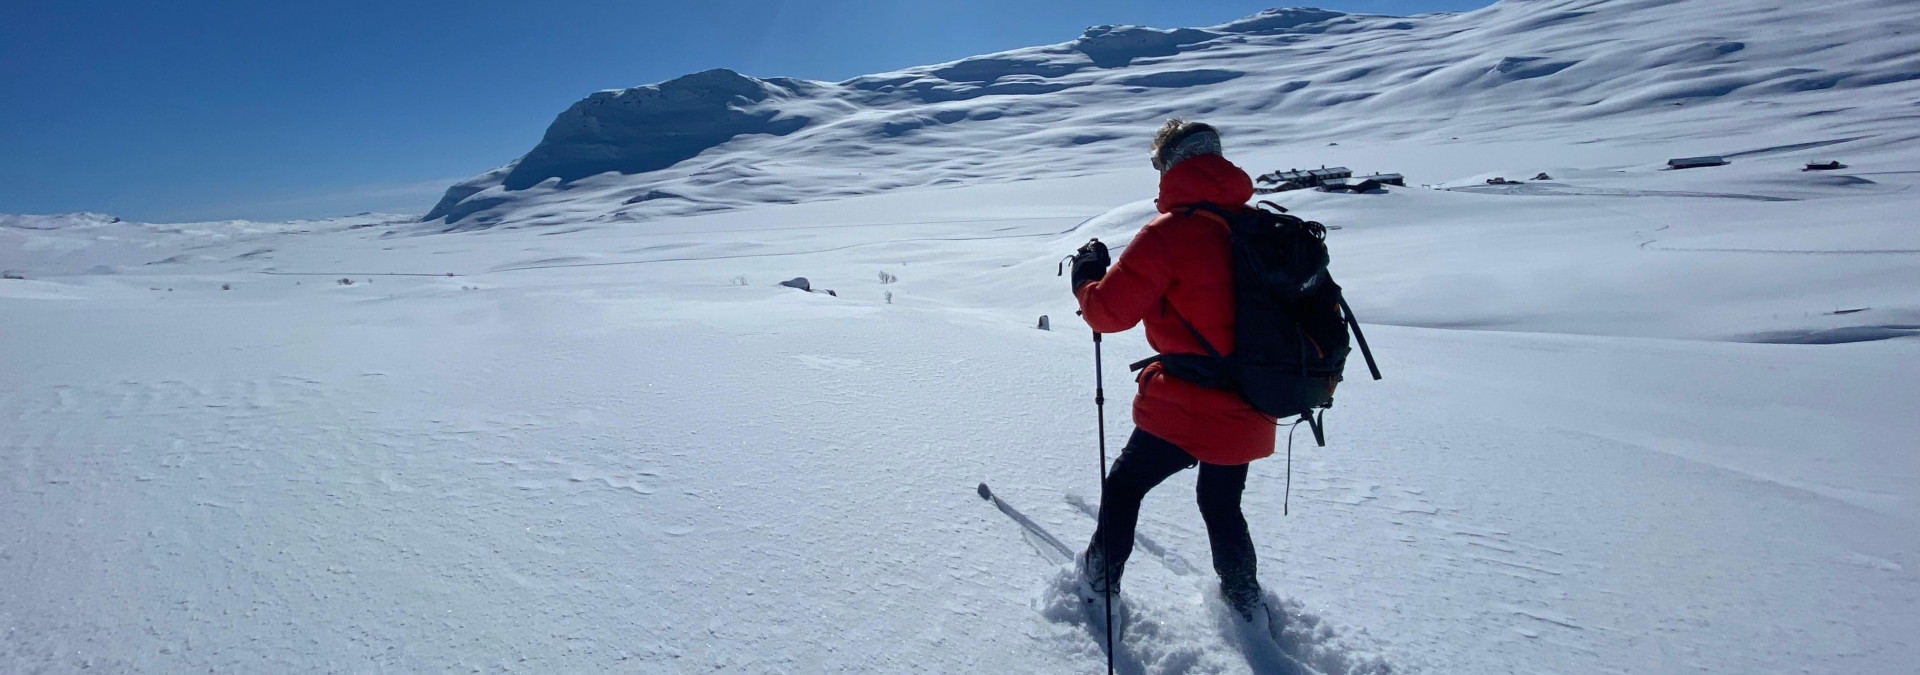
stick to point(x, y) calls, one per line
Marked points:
point(1090, 263)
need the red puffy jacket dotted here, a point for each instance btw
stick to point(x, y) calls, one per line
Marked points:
point(1179, 266)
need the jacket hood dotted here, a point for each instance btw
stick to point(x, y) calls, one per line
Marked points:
point(1206, 178)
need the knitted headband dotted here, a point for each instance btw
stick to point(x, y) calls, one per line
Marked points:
point(1191, 140)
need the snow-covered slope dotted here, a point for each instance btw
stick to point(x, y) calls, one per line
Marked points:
point(1634, 420)
point(1691, 76)
point(596, 450)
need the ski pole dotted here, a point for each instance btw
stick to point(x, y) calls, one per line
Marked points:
point(1100, 412)
point(1106, 551)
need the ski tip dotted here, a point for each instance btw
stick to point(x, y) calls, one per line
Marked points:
point(984, 492)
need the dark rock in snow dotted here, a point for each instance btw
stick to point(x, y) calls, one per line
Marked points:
point(652, 195)
point(797, 282)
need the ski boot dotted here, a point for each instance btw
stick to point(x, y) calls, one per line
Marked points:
point(1246, 600)
point(1093, 575)
point(1100, 595)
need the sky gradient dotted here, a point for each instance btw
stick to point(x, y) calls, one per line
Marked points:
point(206, 110)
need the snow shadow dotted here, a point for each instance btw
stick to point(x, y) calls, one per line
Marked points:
point(1835, 336)
point(1182, 78)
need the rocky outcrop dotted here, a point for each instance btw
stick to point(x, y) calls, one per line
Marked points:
point(653, 127)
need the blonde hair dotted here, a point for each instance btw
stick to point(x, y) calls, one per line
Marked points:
point(1167, 131)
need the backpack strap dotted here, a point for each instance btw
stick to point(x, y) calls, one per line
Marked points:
point(1359, 337)
point(1204, 344)
point(1212, 370)
point(1215, 210)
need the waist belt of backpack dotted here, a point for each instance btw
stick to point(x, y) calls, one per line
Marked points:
point(1192, 367)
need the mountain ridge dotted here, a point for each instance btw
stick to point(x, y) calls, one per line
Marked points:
point(718, 139)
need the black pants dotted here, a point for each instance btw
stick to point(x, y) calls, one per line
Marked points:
point(1144, 463)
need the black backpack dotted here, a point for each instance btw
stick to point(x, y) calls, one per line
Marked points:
point(1290, 320)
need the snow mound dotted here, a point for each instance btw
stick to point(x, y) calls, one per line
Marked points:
point(1295, 19)
point(1118, 46)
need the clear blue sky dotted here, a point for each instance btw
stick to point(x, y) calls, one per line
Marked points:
point(168, 111)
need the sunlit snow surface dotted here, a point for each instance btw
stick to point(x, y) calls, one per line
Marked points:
point(1634, 420)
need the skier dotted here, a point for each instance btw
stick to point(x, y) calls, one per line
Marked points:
point(1177, 268)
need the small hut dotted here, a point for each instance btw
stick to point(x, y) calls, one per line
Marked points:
point(1324, 174)
point(1350, 185)
point(1386, 179)
point(1831, 165)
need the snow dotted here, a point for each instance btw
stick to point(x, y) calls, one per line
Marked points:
point(1634, 420)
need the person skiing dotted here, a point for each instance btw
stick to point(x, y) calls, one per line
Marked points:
point(1178, 268)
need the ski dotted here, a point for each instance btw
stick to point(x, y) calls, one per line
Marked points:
point(1032, 528)
point(1050, 546)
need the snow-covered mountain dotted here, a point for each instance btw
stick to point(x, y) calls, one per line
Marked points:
point(1574, 71)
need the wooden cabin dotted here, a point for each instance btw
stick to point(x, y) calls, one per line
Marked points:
point(1386, 179)
point(1304, 179)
